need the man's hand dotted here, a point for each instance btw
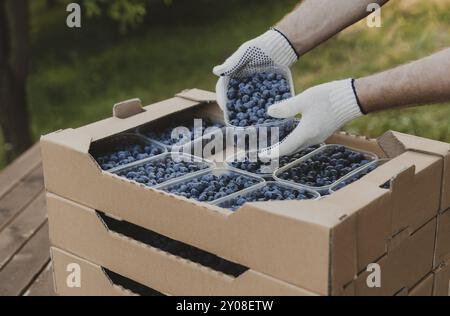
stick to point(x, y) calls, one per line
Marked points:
point(271, 48)
point(324, 108)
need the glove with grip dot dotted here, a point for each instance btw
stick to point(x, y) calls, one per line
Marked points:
point(268, 49)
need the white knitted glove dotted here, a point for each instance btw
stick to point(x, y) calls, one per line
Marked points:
point(271, 48)
point(325, 109)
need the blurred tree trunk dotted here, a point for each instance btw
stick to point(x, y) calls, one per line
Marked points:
point(14, 48)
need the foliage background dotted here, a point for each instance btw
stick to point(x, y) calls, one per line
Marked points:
point(78, 74)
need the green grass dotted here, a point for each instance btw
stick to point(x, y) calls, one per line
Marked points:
point(77, 75)
point(408, 33)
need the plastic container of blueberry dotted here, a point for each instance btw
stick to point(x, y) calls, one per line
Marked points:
point(240, 160)
point(165, 140)
point(366, 158)
point(142, 169)
point(284, 71)
point(357, 175)
point(231, 202)
point(122, 144)
point(176, 184)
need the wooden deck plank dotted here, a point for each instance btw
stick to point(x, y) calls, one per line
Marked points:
point(43, 285)
point(26, 265)
point(20, 196)
point(17, 233)
point(18, 170)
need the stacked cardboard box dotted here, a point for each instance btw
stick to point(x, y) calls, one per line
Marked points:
point(105, 224)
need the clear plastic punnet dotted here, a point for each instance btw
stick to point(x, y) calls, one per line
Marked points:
point(281, 174)
point(355, 176)
point(232, 202)
point(278, 127)
point(187, 181)
point(277, 69)
point(124, 142)
point(248, 161)
point(157, 170)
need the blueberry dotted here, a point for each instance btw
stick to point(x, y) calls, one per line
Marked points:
point(271, 76)
point(234, 83)
point(232, 94)
point(243, 123)
point(107, 166)
point(286, 96)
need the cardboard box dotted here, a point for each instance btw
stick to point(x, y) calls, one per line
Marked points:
point(332, 239)
point(125, 249)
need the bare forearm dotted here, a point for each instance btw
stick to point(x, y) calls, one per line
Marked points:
point(315, 21)
point(421, 82)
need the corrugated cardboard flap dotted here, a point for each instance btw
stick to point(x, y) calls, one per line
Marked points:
point(70, 138)
point(127, 108)
point(395, 143)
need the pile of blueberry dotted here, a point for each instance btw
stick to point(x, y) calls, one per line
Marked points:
point(354, 178)
point(211, 187)
point(125, 154)
point(161, 170)
point(270, 192)
point(261, 167)
point(250, 97)
point(326, 167)
point(165, 136)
